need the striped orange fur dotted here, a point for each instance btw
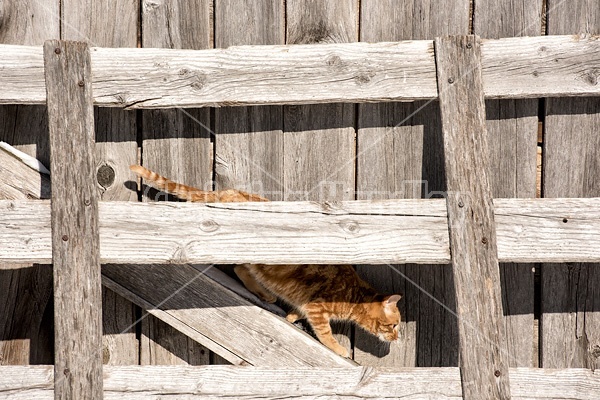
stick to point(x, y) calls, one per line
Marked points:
point(317, 293)
point(189, 193)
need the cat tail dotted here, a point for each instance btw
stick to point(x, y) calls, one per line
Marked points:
point(189, 193)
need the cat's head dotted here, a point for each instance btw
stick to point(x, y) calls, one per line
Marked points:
point(384, 318)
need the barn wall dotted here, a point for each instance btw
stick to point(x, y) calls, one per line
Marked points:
point(324, 152)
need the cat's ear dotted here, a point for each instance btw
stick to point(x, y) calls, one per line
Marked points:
point(392, 300)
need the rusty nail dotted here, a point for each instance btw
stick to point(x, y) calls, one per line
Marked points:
point(87, 202)
point(469, 45)
point(497, 373)
point(57, 51)
point(80, 83)
point(565, 220)
point(484, 240)
point(450, 80)
point(65, 238)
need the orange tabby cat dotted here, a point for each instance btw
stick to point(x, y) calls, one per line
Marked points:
point(319, 293)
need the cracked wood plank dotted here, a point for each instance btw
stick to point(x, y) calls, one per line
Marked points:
point(222, 382)
point(481, 330)
point(551, 66)
point(395, 231)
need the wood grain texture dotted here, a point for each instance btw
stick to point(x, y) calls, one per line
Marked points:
point(552, 66)
point(221, 320)
point(177, 143)
point(219, 382)
point(483, 363)
point(512, 127)
point(319, 147)
point(528, 230)
point(570, 321)
point(111, 24)
point(74, 221)
point(400, 156)
point(26, 330)
point(249, 141)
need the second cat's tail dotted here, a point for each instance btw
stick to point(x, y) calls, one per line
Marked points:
point(189, 193)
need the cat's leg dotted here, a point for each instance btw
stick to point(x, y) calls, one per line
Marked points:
point(321, 326)
point(294, 316)
point(253, 285)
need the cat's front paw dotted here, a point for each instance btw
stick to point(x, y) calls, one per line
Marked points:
point(342, 351)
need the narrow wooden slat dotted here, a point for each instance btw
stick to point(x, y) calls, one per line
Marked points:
point(111, 24)
point(26, 319)
point(74, 221)
point(216, 317)
point(553, 66)
point(570, 297)
point(221, 382)
point(512, 127)
point(483, 362)
point(176, 143)
point(400, 156)
point(529, 230)
point(319, 146)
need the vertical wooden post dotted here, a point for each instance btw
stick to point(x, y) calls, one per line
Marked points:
point(75, 240)
point(484, 364)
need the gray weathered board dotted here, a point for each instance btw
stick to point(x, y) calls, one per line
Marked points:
point(74, 222)
point(570, 294)
point(249, 140)
point(26, 328)
point(222, 382)
point(555, 66)
point(319, 142)
point(512, 127)
point(400, 156)
point(110, 24)
point(483, 363)
point(176, 143)
point(395, 231)
point(242, 333)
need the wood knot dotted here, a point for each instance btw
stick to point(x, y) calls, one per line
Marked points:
point(105, 176)
point(364, 78)
point(199, 81)
point(591, 77)
point(335, 62)
point(208, 225)
point(351, 227)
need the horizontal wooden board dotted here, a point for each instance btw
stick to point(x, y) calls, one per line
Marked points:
point(522, 67)
point(370, 232)
point(229, 382)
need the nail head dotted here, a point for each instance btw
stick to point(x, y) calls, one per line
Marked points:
point(80, 83)
point(450, 80)
point(497, 373)
point(65, 238)
point(469, 45)
point(57, 50)
point(484, 240)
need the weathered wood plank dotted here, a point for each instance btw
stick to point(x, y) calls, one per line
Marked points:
point(26, 328)
point(249, 141)
point(111, 24)
point(219, 382)
point(570, 302)
point(177, 143)
point(319, 142)
point(528, 230)
point(552, 66)
point(512, 127)
point(483, 363)
point(221, 320)
point(400, 155)
point(74, 221)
